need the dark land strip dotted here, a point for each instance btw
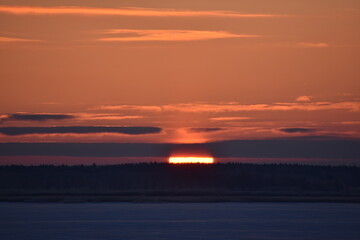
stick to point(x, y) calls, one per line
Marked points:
point(158, 182)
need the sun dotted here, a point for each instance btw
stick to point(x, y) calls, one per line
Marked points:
point(187, 160)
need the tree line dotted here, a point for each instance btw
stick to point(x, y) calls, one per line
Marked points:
point(162, 177)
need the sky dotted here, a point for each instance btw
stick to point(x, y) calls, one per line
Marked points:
point(179, 72)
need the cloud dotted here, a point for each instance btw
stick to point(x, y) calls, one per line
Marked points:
point(14, 131)
point(168, 35)
point(129, 107)
point(37, 117)
point(313, 45)
point(229, 118)
point(351, 123)
point(140, 12)
point(17, 40)
point(101, 116)
point(271, 148)
point(218, 108)
point(353, 106)
point(214, 129)
point(79, 116)
point(303, 99)
point(297, 130)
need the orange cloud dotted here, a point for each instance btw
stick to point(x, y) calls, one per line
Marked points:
point(313, 45)
point(15, 40)
point(129, 107)
point(351, 123)
point(99, 116)
point(303, 99)
point(220, 108)
point(169, 35)
point(142, 12)
point(229, 118)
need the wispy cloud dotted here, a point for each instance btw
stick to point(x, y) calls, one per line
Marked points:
point(351, 123)
point(142, 12)
point(14, 131)
point(313, 45)
point(303, 99)
point(17, 40)
point(221, 108)
point(297, 130)
point(168, 35)
point(42, 117)
point(229, 118)
point(129, 108)
point(38, 117)
point(100, 116)
point(206, 130)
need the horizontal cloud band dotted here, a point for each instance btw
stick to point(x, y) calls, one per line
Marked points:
point(38, 117)
point(17, 40)
point(141, 12)
point(297, 130)
point(220, 108)
point(168, 35)
point(13, 131)
point(272, 148)
point(214, 129)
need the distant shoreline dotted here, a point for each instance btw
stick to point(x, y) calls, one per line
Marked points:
point(180, 183)
point(187, 198)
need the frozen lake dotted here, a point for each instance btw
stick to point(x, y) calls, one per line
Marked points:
point(220, 221)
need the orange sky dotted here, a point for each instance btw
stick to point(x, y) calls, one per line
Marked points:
point(200, 71)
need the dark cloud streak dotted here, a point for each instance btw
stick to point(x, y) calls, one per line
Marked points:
point(297, 130)
point(206, 129)
point(14, 131)
point(38, 117)
point(271, 148)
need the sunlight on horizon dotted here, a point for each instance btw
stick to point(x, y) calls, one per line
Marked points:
point(187, 160)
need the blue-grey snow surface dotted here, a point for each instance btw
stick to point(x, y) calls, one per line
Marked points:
point(174, 221)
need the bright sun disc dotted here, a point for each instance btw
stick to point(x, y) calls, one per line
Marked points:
point(184, 160)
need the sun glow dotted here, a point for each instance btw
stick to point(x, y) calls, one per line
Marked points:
point(185, 160)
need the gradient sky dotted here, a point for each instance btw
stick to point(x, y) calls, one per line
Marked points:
point(178, 71)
